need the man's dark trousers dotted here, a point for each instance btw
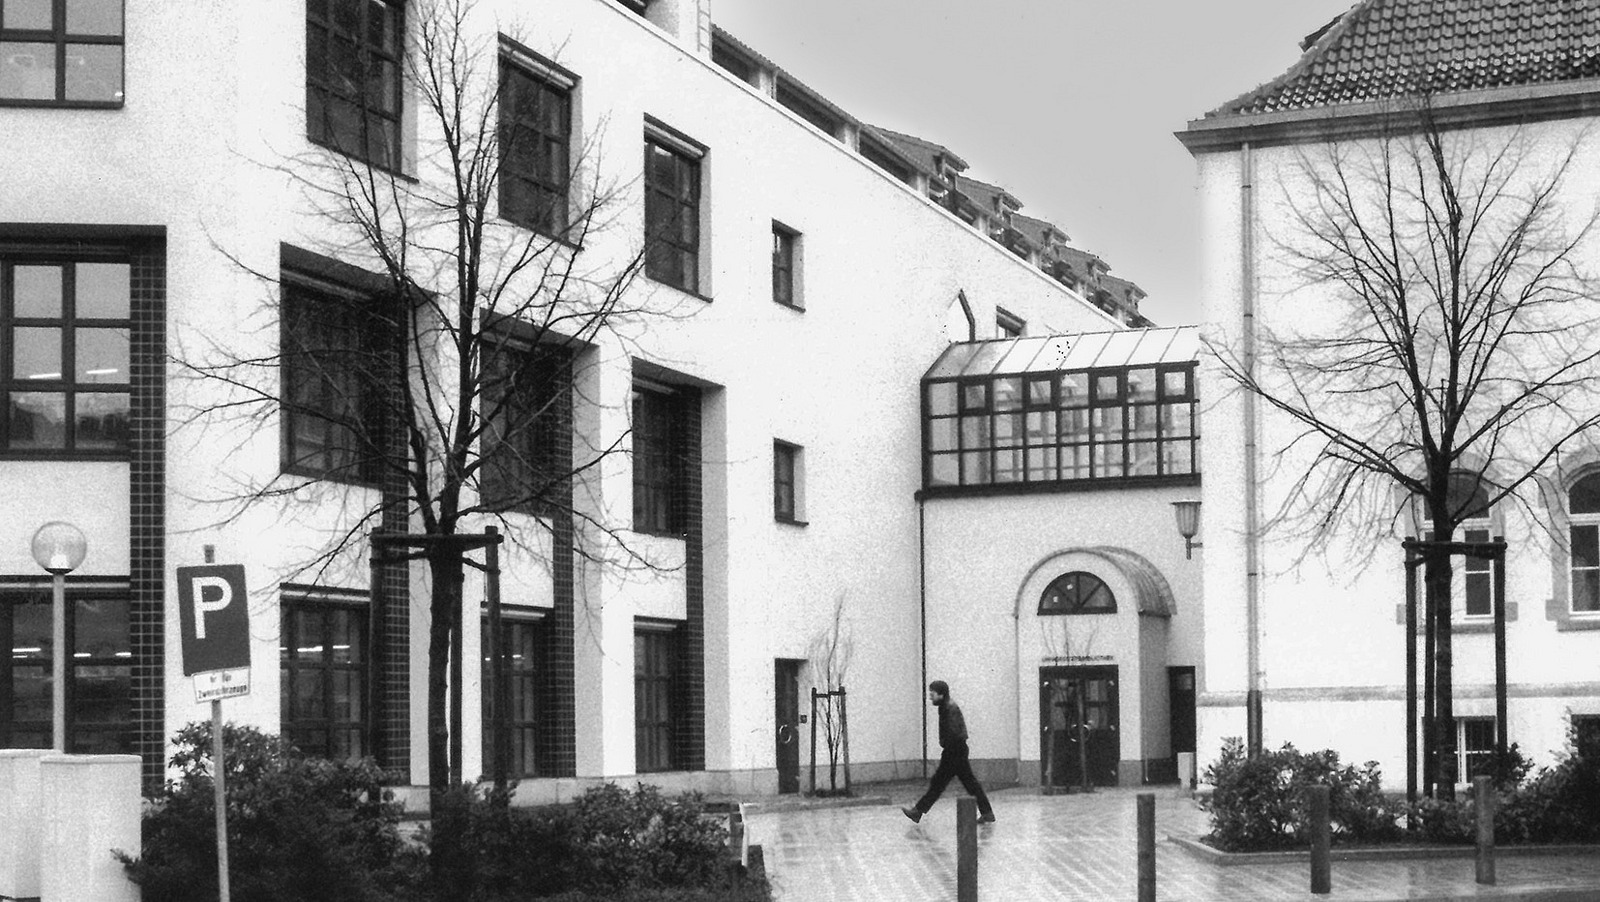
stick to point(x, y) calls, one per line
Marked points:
point(953, 764)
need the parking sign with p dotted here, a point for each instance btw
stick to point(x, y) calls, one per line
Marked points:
point(214, 617)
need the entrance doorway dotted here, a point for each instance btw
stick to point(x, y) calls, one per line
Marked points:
point(1078, 725)
point(1181, 702)
point(786, 719)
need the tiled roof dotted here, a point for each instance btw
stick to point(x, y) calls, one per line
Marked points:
point(919, 149)
point(1082, 261)
point(1037, 229)
point(986, 194)
point(1120, 287)
point(1384, 49)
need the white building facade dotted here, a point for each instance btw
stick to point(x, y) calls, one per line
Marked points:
point(1321, 635)
point(164, 216)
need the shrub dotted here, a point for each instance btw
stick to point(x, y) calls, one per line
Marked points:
point(1260, 803)
point(1559, 804)
point(298, 828)
point(608, 841)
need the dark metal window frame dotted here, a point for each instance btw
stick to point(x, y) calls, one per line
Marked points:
point(1071, 594)
point(58, 36)
point(370, 56)
point(69, 323)
point(785, 260)
point(347, 406)
point(659, 461)
point(1024, 437)
point(522, 471)
point(14, 594)
point(1588, 521)
point(521, 633)
point(1009, 324)
point(302, 607)
point(655, 690)
point(523, 71)
point(672, 210)
point(786, 481)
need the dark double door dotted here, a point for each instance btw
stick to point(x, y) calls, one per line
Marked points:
point(1078, 725)
point(786, 715)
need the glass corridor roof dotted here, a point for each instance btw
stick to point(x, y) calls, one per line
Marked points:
point(1058, 353)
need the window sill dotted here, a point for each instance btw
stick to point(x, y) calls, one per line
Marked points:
point(318, 477)
point(795, 307)
point(19, 103)
point(64, 456)
point(678, 288)
point(680, 536)
point(790, 521)
point(1571, 623)
point(374, 167)
point(539, 231)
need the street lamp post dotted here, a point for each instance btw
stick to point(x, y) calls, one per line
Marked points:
point(1187, 513)
point(59, 548)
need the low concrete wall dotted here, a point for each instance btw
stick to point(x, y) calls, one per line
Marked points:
point(20, 822)
point(90, 805)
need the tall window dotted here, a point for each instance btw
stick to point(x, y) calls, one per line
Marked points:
point(535, 147)
point(785, 243)
point(526, 440)
point(99, 672)
point(653, 678)
point(659, 462)
point(520, 644)
point(1474, 748)
point(672, 213)
point(1583, 506)
point(66, 350)
point(787, 488)
point(322, 664)
point(61, 54)
point(1077, 593)
point(1062, 427)
point(332, 366)
point(1468, 499)
point(353, 65)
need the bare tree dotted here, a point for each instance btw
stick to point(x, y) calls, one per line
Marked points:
point(830, 654)
point(456, 393)
point(1446, 348)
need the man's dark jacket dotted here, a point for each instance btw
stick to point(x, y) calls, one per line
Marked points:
point(952, 726)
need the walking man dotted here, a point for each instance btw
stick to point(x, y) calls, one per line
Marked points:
point(953, 761)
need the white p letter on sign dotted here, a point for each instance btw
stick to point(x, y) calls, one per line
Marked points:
point(219, 597)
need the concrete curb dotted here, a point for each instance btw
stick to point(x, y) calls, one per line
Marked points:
point(806, 804)
point(1378, 853)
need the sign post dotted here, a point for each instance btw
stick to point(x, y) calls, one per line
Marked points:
point(214, 617)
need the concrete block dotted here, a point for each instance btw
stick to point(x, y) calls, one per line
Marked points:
point(20, 823)
point(91, 806)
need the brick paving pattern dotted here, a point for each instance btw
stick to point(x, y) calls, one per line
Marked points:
point(1083, 848)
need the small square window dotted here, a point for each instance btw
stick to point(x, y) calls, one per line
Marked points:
point(61, 54)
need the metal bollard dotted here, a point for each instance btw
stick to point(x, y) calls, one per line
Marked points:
point(1483, 802)
point(966, 850)
point(1321, 839)
point(1147, 847)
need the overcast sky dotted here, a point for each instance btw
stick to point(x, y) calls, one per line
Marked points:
point(1068, 104)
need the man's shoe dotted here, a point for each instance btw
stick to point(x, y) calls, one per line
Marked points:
point(987, 818)
point(914, 814)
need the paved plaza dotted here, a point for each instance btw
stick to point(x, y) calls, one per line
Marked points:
point(1083, 847)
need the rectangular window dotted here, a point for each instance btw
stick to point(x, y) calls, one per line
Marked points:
point(322, 666)
point(1586, 736)
point(788, 473)
point(1477, 577)
point(808, 108)
point(332, 365)
point(653, 678)
point(99, 673)
point(1585, 567)
point(672, 212)
point(65, 365)
point(1475, 748)
point(1007, 324)
point(659, 462)
point(56, 53)
point(525, 446)
point(353, 78)
point(535, 147)
point(785, 247)
point(521, 644)
point(1137, 422)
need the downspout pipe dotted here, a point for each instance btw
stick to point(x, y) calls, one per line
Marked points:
point(922, 613)
point(1252, 497)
